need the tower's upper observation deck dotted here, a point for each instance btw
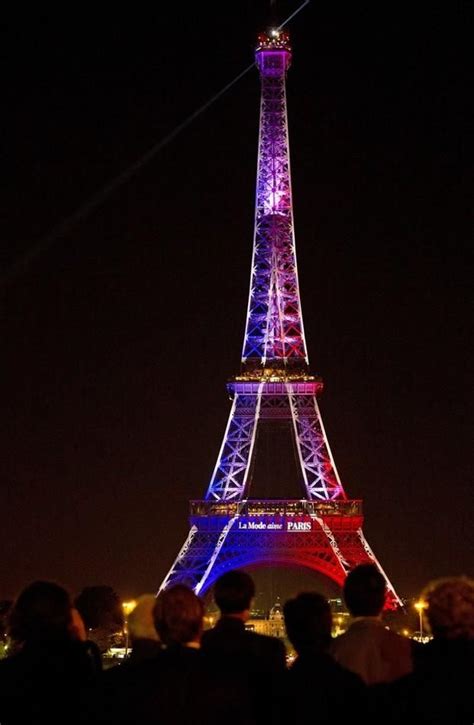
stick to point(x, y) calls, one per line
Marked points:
point(273, 53)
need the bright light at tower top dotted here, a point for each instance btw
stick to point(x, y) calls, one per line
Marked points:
point(274, 40)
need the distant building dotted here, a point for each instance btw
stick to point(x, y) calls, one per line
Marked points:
point(340, 616)
point(272, 625)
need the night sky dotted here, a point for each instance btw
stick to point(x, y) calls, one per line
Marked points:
point(118, 334)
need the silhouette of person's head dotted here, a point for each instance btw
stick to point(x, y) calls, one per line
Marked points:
point(233, 592)
point(42, 612)
point(308, 621)
point(450, 607)
point(178, 615)
point(364, 591)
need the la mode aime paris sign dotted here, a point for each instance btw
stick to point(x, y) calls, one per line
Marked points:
point(258, 524)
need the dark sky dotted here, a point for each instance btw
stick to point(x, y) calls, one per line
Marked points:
point(118, 338)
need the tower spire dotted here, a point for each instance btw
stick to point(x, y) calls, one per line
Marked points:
point(274, 334)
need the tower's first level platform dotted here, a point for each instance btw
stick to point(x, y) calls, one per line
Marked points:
point(277, 515)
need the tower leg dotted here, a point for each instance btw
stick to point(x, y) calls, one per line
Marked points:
point(229, 479)
point(317, 464)
point(198, 556)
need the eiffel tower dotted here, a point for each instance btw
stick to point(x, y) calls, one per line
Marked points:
point(322, 530)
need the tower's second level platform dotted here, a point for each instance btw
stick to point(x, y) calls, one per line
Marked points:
point(275, 380)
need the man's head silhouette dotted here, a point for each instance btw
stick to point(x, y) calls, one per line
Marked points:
point(233, 592)
point(364, 591)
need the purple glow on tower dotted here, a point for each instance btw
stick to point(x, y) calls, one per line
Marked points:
point(323, 529)
point(274, 331)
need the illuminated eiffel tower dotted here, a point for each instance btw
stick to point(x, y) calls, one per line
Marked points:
point(323, 529)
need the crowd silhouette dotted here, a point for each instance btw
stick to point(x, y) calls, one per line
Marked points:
point(179, 673)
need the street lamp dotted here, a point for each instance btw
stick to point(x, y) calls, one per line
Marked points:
point(420, 605)
point(127, 608)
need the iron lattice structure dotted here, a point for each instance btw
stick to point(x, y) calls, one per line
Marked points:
point(274, 330)
point(322, 530)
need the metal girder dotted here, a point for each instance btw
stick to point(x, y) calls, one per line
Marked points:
point(229, 480)
point(230, 473)
point(274, 329)
point(317, 464)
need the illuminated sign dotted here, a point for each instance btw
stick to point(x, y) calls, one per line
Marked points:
point(281, 524)
point(298, 525)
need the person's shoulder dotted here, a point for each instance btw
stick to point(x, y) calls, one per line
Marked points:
point(270, 648)
point(208, 635)
point(267, 639)
point(331, 676)
point(128, 668)
point(215, 639)
point(360, 629)
point(178, 656)
point(397, 641)
point(341, 640)
point(350, 679)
